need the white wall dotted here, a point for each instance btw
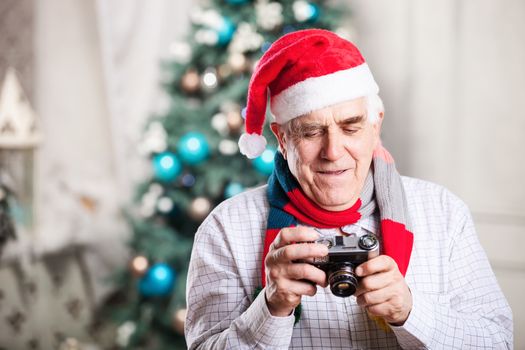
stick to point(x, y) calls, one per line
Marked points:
point(134, 35)
point(97, 80)
point(451, 74)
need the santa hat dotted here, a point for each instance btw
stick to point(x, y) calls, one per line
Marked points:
point(303, 71)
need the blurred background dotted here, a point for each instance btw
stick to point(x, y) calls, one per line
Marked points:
point(118, 129)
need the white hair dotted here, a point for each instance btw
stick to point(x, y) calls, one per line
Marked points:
point(374, 107)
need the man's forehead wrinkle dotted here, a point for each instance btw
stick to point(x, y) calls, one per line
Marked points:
point(320, 122)
point(322, 117)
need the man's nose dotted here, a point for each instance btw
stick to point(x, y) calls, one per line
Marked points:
point(333, 147)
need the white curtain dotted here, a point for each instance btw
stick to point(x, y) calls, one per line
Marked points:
point(97, 81)
point(134, 37)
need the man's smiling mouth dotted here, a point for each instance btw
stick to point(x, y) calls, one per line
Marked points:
point(332, 172)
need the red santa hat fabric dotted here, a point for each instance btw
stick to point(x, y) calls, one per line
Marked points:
point(303, 71)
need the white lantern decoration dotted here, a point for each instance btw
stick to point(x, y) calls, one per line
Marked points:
point(19, 135)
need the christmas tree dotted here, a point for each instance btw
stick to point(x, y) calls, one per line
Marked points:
point(19, 134)
point(194, 155)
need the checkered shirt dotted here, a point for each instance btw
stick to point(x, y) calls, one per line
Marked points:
point(457, 303)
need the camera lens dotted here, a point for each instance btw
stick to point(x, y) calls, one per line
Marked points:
point(342, 279)
point(367, 242)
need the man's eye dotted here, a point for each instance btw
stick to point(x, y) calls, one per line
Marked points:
point(310, 134)
point(351, 131)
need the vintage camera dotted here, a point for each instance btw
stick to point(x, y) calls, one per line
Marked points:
point(345, 253)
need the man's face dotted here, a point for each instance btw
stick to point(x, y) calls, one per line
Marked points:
point(329, 151)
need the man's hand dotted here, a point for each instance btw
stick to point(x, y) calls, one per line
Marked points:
point(287, 281)
point(383, 290)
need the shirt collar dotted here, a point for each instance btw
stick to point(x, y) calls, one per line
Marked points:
point(370, 224)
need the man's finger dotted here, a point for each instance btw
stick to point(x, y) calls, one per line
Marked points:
point(374, 282)
point(291, 235)
point(381, 263)
point(303, 288)
point(294, 252)
point(302, 271)
point(292, 290)
point(374, 297)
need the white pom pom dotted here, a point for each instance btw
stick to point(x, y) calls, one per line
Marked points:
point(252, 145)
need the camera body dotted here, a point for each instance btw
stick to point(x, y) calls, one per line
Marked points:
point(345, 253)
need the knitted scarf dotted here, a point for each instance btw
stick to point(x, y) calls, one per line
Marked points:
point(383, 189)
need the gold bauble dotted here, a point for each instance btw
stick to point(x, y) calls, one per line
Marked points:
point(190, 81)
point(224, 71)
point(235, 121)
point(238, 62)
point(254, 65)
point(179, 318)
point(139, 265)
point(199, 208)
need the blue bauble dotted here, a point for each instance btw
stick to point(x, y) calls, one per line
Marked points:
point(232, 189)
point(193, 148)
point(225, 31)
point(237, 2)
point(158, 281)
point(289, 29)
point(188, 180)
point(264, 163)
point(265, 46)
point(314, 12)
point(166, 166)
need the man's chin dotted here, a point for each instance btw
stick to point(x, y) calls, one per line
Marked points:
point(336, 203)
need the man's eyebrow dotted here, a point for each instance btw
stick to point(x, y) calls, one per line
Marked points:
point(352, 120)
point(313, 125)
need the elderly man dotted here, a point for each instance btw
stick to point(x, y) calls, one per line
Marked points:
point(258, 276)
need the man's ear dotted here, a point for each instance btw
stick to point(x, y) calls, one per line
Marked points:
point(380, 120)
point(377, 127)
point(279, 134)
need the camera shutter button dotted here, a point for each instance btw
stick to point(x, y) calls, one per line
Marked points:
point(367, 242)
